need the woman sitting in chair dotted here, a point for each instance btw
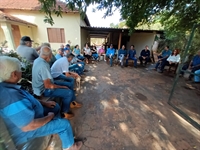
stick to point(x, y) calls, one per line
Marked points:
point(87, 53)
point(172, 60)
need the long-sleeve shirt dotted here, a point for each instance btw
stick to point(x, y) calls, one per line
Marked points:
point(145, 53)
point(132, 53)
point(121, 51)
point(110, 51)
point(173, 58)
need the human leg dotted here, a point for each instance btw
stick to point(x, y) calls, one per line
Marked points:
point(185, 67)
point(135, 61)
point(111, 60)
point(197, 77)
point(65, 94)
point(69, 81)
point(58, 126)
point(65, 84)
point(55, 110)
point(147, 59)
point(163, 64)
point(193, 70)
point(141, 60)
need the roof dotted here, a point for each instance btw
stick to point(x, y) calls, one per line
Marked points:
point(7, 17)
point(118, 29)
point(29, 5)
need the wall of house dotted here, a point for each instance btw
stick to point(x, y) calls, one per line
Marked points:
point(84, 37)
point(2, 36)
point(69, 21)
point(140, 40)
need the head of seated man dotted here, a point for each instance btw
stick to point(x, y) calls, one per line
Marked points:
point(27, 118)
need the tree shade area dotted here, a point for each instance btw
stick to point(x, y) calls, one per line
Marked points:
point(176, 16)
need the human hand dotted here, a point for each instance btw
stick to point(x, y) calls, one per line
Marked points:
point(51, 115)
point(50, 104)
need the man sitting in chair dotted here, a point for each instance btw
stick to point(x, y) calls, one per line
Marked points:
point(122, 53)
point(110, 54)
point(145, 55)
point(132, 56)
point(26, 117)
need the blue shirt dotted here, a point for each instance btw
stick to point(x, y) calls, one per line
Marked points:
point(18, 108)
point(121, 51)
point(145, 53)
point(166, 53)
point(110, 51)
point(77, 51)
point(58, 56)
point(196, 60)
point(132, 53)
point(40, 72)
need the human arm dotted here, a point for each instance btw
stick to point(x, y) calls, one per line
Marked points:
point(48, 104)
point(49, 85)
point(37, 123)
point(71, 74)
point(38, 48)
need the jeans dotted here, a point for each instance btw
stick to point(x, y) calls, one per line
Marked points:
point(76, 68)
point(197, 77)
point(57, 125)
point(121, 59)
point(162, 63)
point(185, 67)
point(81, 57)
point(111, 59)
point(147, 59)
point(65, 94)
point(69, 81)
point(96, 56)
point(132, 58)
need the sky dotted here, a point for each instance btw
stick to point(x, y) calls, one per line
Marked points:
point(96, 18)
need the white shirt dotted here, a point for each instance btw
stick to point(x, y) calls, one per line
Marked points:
point(174, 58)
point(59, 67)
point(87, 50)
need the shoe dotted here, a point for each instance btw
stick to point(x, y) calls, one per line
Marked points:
point(160, 71)
point(68, 115)
point(122, 66)
point(135, 66)
point(155, 69)
point(76, 146)
point(85, 70)
point(74, 104)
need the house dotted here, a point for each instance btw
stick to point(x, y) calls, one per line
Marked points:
point(19, 18)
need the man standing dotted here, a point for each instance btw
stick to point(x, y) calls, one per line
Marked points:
point(25, 49)
point(122, 53)
point(145, 55)
point(162, 57)
point(27, 118)
point(132, 56)
point(110, 54)
point(43, 83)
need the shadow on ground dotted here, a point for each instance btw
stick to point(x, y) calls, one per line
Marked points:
point(126, 109)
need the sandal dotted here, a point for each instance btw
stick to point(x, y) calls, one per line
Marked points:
point(74, 104)
point(68, 115)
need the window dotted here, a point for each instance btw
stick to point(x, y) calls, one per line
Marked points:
point(56, 35)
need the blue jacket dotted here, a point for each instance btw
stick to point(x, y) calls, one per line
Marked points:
point(110, 51)
point(196, 60)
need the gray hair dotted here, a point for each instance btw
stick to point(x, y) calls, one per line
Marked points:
point(22, 42)
point(70, 55)
point(46, 44)
point(45, 51)
point(7, 66)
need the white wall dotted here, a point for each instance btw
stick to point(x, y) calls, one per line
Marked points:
point(140, 40)
point(69, 21)
point(2, 36)
point(84, 37)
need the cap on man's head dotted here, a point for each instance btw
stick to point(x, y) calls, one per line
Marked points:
point(68, 45)
point(26, 39)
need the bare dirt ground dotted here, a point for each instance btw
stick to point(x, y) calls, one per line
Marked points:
point(127, 109)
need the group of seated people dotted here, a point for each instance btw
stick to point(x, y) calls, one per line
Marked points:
point(27, 116)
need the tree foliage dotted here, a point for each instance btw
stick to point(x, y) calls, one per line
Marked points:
point(182, 14)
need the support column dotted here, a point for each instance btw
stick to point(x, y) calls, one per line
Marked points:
point(8, 35)
point(120, 39)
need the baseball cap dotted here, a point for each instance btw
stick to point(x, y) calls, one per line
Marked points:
point(26, 39)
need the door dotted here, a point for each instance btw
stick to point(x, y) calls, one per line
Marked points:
point(16, 34)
